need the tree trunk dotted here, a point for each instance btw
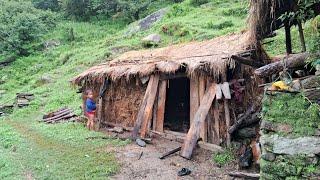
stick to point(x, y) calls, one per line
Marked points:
point(288, 38)
point(301, 35)
point(200, 116)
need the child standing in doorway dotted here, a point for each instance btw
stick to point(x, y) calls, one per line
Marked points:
point(90, 109)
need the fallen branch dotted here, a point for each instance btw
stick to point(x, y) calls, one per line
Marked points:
point(241, 120)
point(170, 152)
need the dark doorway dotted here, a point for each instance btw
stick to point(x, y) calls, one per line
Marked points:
point(177, 110)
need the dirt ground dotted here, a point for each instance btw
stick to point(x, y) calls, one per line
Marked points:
point(149, 166)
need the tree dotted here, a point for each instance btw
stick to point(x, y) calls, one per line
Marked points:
point(20, 25)
point(53, 5)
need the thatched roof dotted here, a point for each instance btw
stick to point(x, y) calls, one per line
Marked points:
point(212, 57)
point(264, 15)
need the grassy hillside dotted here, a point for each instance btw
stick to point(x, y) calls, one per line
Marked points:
point(32, 149)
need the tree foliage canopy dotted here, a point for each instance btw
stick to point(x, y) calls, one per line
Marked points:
point(20, 25)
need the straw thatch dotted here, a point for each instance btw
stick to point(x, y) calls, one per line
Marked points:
point(264, 16)
point(212, 57)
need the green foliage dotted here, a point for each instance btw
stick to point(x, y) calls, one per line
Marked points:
point(223, 158)
point(53, 5)
point(294, 110)
point(21, 25)
point(222, 25)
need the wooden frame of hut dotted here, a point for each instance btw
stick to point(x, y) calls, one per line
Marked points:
point(143, 84)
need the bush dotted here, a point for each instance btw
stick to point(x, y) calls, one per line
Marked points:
point(20, 25)
point(53, 5)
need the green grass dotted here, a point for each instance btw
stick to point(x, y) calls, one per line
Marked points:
point(294, 110)
point(223, 158)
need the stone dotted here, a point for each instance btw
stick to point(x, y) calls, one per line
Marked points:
point(140, 143)
point(45, 79)
point(276, 127)
point(146, 22)
point(118, 130)
point(49, 44)
point(268, 157)
point(318, 69)
point(151, 40)
point(309, 146)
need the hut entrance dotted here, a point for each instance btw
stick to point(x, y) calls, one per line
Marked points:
point(177, 110)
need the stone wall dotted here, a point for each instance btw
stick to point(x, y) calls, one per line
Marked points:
point(285, 157)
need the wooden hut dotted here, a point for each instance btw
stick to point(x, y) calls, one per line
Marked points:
point(173, 88)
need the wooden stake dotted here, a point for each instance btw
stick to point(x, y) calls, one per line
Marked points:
point(200, 116)
point(194, 97)
point(161, 105)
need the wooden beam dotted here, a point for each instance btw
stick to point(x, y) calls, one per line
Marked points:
point(227, 115)
point(143, 104)
point(147, 115)
point(194, 97)
point(244, 175)
point(301, 35)
point(200, 116)
point(202, 88)
point(161, 105)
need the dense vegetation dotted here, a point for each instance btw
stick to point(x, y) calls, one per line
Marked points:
point(54, 40)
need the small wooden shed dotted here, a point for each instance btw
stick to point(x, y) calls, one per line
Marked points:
point(168, 89)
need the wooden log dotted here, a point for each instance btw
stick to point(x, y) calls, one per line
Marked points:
point(154, 111)
point(200, 116)
point(194, 97)
point(161, 105)
point(52, 114)
point(311, 82)
point(246, 61)
point(202, 88)
point(293, 61)
point(244, 175)
point(210, 147)
point(147, 115)
point(170, 152)
point(61, 118)
point(143, 104)
point(241, 120)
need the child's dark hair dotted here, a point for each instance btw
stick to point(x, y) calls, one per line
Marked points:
point(88, 91)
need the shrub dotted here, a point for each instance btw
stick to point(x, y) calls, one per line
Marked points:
point(53, 5)
point(20, 25)
point(198, 2)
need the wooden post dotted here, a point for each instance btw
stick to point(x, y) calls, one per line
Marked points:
point(203, 130)
point(161, 105)
point(288, 37)
point(154, 111)
point(194, 97)
point(140, 116)
point(147, 115)
point(301, 35)
point(227, 95)
point(200, 116)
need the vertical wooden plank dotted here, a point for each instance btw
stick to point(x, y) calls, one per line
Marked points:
point(200, 116)
point(147, 115)
point(161, 105)
point(143, 104)
point(203, 129)
point(288, 37)
point(194, 97)
point(216, 132)
point(155, 109)
point(227, 115)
